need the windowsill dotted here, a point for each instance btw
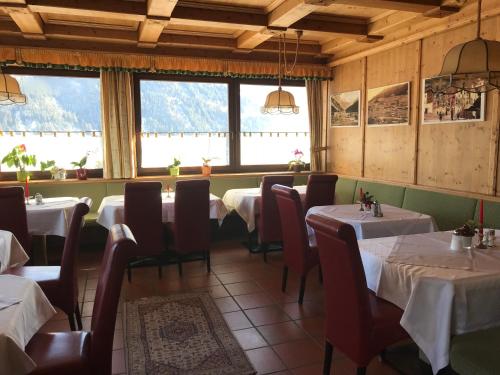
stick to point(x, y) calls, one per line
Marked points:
point(153, 178)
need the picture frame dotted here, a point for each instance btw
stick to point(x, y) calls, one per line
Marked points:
point(345, 109)
point(388, 105)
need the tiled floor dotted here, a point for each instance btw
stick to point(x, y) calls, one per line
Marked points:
point(278, 335)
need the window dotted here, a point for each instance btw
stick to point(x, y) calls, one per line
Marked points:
point(271, 139)
point(184, 120)
point(61, 120)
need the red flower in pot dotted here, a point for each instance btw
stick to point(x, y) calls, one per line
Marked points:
point(81, 171)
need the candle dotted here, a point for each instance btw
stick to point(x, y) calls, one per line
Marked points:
point(481, 216)
point(361, 194)
point(27, 188)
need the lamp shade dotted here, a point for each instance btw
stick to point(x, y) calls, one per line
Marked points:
point(10, 93)
point(280, 101)
point(473, 66)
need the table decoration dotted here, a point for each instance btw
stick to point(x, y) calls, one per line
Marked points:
point(27, 190)
point(481, 244)
point(174, 167)
point(206, 168)
point(365, 200)
point(491, 238)
point(81, 172)
point(297, 165)
point(18, 158)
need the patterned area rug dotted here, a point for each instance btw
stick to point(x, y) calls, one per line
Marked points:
point(181, 334)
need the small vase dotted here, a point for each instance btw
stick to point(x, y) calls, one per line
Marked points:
point(81, 174)
point(174, 171)
point(22, 175)
point(298, 168)
point(206, 170)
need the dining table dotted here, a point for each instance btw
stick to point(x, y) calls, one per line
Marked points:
point(112, 209)
point(51, 217)
point(395, 220)
point(24, 309)
point(442, 292)
point(245, 202)
point(12, 253)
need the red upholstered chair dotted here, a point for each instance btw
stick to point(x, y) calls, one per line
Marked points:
point(60, 283)
point(268, 221)
point(143, 215)
point(299, 256)
point(13, 215)
point(191, 226)
point(320, 190)
point(79, 353)
point(358, 323)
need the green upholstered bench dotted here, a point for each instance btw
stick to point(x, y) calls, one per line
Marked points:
point(491, 215)
point(344, 190)
point(449, 211)
point(388, 194)
point(476, 353)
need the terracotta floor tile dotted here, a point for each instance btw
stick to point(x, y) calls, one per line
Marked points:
point(246, 287)
point(226, 304)
point(282, 332)
point(89, 295)
point(202, 281)
point(249, 338)
point(56, 325)
point(91, 283)
point(299, 353)
point(315, 369)
point(87, 308)
point(234, 277)
point(118, 362)
point(250, 301)
point(118, 342)
point(314, 326)
point(266, 315)
point(217, 291)
point(237, 320)
point(308, 309)
point(265, 360)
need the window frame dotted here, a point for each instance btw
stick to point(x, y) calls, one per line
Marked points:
point(233, 118)
point(45, 175)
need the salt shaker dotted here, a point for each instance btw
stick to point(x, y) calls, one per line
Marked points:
point(491, 238)
point(38, 198)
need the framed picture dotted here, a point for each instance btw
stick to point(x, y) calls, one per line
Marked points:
point(445, 108)
point(389, 105)
point(344, 109)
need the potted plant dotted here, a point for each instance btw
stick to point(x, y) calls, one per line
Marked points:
point(206, 168)
point(174, 167)
point(81, 171)
point(56, 172)
point(462, 237)
point(297, 165)
point(18, 158)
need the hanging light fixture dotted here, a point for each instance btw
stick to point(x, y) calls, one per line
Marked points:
point(473, 66)
point(10, 93)
point(281, 101)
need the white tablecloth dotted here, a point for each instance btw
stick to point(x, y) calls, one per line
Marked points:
point(453, 296)
point(20, 321)
point(12, 253)
point(396, 221)
point(112, 209)
point(246, 202)
point(52, 217)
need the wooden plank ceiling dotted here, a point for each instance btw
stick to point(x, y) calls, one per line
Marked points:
point(241, 29)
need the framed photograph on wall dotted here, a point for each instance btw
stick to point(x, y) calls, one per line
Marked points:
point(440, 108)
point(389, 105)
point(344, 109)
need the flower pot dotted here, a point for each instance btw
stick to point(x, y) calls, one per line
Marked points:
point(206, 170)
point(298, 167)
point(22, 175)
point(174, 171)
point(58, 174)
point(81, 174)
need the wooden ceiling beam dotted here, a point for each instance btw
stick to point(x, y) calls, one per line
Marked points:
point(158, 15)
point(160, 8)
point(417, 6)
point(30, 24)
point(331, 27)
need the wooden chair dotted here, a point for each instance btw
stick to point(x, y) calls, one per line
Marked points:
point(60, 283)
point(299, 256)
point(358, 323)
point(81, 352)
point(13, 215)
point(320, 190)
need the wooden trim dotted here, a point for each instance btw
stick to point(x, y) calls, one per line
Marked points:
point(50, 72)
point(363, 111)
point(418, 102)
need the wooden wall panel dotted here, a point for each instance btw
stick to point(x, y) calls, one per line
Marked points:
point(390, 150)
point(346, 144)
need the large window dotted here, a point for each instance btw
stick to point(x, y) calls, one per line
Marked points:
point(61, 120)
point(184, 120)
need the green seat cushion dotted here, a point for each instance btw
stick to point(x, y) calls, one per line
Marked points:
point(344, 190)
point(388, 194)
point(300, 180)
point(219, 185)
point(115, 188)
point(476, 353)
point(449, 211)
point(491, 214)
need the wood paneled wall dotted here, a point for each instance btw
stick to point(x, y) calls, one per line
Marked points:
point(453, 156)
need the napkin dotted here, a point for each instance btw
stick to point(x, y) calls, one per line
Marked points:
point(8, 301)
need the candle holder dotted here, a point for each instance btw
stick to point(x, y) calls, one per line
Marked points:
point(481, 244)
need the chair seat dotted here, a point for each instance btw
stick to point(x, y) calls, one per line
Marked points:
point(476, 353)
point(60, 353)
point(40, 274)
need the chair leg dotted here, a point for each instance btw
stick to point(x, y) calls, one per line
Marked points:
point(179, 266)
point(302, 289)
point(129, 273)
point(361, 371)
point(208, 261)
point(71, 319)
point(284, 278)
point(327, 362)
point(263, 247)
point(78, 317)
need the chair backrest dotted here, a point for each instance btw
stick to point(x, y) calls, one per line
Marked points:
point(120, 246)
point(293, 227)
point(348, 316)
point(320, 190)
point(13, 215)
point(143, 215)
point(68, 275)
point(269, 219)
point(192, 216)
